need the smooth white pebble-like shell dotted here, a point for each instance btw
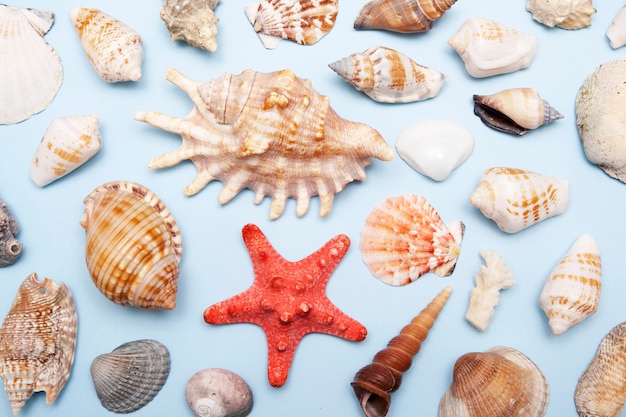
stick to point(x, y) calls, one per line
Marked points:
point(216, 392)
point(617, 29)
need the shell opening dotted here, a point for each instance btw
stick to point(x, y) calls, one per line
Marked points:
point(373, 405)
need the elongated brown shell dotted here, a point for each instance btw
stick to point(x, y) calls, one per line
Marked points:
point(38, 341)
point(133, 245)
point(374, 383)
point(404, 16)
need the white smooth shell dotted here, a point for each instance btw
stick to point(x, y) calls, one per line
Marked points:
point(617, 30)
point(215, 392)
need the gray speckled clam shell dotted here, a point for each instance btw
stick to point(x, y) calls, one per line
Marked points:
point(10, 248)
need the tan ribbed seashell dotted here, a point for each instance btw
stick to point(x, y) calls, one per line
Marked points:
point(192, 21)
point(404, 16)
point(301, 21)
point(271, 133)
point(113, 48)
point(38, 341)
point(131, 375)
point(389, 76)
point(374, 383)
point(566, 14)
point(516, 198)
point(572, 290)
point(133, 245)
point(499, 382)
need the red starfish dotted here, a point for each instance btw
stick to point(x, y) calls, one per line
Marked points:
point(288, 300)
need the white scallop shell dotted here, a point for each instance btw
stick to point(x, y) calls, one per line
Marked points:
point(435, 148)
point(566, 14)
point(30, 69)
point(617, 29)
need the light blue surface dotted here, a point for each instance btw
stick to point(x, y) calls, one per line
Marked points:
point(216, 264)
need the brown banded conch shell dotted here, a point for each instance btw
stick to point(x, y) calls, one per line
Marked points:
point(374, 383)
point(192, 21)
point(216, 392)
point(10, 247)
point(404, 16)
point(133, 245)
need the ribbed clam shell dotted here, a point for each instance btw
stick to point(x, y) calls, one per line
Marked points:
point(31, 72)
point(38, 341)
point(572, 290)
point(113, 48)
point(616, 31)
point(489, 48)
point(404, 238)
point(516, 198)
point(499, 382)
point(302, 21)
point(133, 245)
point(10, 247)
point(566, 14)
point(216, 392)
point(131, 375)
point(404, 16)
point(389, 76)
point(192, 21)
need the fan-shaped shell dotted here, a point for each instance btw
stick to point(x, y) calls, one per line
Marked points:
point(389, 76)
point(301, 21)
point(131, 375)
point(10, 247)
point(572, 290)
point(192, 21)
point(31, 70)
point(216, 392)
point(516, 198)
point(499, 382)
point(271, 133)
point(404, 16)
point(38, 341)
point(404, 238)
point(113, 48)
point(133, 245)
point(566, 14)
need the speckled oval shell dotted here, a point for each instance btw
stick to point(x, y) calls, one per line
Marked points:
point(216, 392)
point(10, 247)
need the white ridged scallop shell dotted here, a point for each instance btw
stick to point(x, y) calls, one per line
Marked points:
point(435, 148)
point(215, 392)
point(516, 199)
point(572, 290)
point(67, 143)
point(566, 14)
point(389, 76)
point(404, 238)
point(31, 72)
point(192, 21)
point(301, 21)
point(113, 48)
point(616, 31)
point(489, 48)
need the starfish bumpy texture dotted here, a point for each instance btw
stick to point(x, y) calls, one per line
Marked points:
point(288, 300)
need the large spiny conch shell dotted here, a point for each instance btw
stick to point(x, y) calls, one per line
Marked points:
point(67, 143)
point(404, 16)
point(31, 70)
point(192, 21)
point(566, 14)
point(389, 76)
point(271, 133)
point(215, 392)
point(38, 341)
point(131, 375)
point(404, 238)
point(133, 246)
point(374, 383)
point(10, 247)
point(498, 382)
point(515, 110)
point(113, 48)
point(516, 199)
point(572, 290)
point(490, 48)
point(616, 31)
point(301, 21)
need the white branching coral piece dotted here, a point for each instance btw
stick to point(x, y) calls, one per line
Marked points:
point(494, 276)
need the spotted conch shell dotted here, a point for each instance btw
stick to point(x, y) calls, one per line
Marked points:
point(404, 238)
point(192, 21)
point(301, 21)
point(616, 32)
point(404, 16)
point(269, 132)
point(38, 341)
point(516, 199)
point(566, 14)
point(572, 290)
point(389, 76)
point(601, 390)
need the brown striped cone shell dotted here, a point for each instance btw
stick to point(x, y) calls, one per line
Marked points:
point(388, 76)
point(499, 382)
point(404, 16)
point(271, 133)
point(38, 341)
point(133, 246)
point(302, 21)
point(516, 198)
point(129, 377)
point(374, 383)
point(192, 21)
point(572, 290)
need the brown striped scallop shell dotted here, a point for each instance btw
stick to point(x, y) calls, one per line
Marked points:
point(133, 246)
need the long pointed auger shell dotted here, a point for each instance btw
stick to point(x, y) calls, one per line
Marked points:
point(374, 383)
point(404, 16)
